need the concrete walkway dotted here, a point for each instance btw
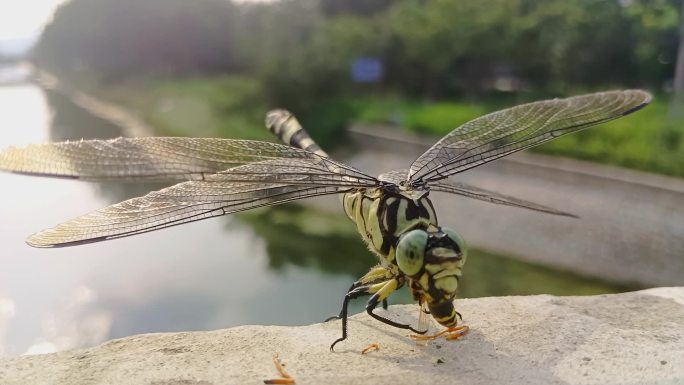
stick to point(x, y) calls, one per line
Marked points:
point(115, 114)
point(631, 338)
point(631, 226)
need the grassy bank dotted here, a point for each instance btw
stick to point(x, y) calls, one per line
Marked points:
point(234, 107)
point(225, 106)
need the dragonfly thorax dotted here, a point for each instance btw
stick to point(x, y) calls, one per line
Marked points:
point(382, 216)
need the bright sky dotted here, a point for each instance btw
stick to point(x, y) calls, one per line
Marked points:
point(21, 19)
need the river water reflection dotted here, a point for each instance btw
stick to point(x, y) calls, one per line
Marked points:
point(284, 266)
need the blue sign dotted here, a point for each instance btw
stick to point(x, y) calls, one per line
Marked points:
point(366, 70)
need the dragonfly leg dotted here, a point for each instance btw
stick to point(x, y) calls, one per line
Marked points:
point(382, 291)
point(339, 316)
point(375, 275)
point(452, 333)
point(354, 293)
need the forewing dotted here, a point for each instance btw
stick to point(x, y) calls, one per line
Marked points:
point(237, 189)
point(142, 159)
point(492, 197)
point(504, 132)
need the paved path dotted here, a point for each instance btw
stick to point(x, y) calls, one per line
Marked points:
point(631, 226)
point(115, 114)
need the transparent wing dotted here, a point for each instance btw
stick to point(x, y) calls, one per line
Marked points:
point(424, 322)
point(396, 177)
point(504, 132)
point(142, 159)
point(237, 189)
point(491, 197)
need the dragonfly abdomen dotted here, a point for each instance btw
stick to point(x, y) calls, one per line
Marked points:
point(286, 127)
point(445, 313)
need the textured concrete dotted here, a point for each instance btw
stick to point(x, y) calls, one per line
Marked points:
point(632, 338)
point(631, 225)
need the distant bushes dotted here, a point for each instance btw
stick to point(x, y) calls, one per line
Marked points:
point(124, 38)
point(302, 49)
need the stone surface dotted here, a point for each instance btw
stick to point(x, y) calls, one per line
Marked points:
point(631, 338)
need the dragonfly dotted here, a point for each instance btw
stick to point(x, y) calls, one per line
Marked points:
point(392, 212)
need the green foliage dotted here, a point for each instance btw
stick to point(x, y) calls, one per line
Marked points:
point(424, 117)
point(327, 121)
point(445, 44)
point(441, 117)
point(303, 48)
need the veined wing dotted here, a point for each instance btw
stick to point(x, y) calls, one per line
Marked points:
point(504, 132)
point(142, 159)
point(397, 176)
point(491, 197)
point(241, 188)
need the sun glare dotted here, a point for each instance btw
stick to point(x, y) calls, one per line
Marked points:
point(25, 18)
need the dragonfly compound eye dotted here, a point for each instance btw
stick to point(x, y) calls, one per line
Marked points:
point(411, 251)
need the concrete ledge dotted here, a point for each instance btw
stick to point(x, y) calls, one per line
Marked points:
point(631, 338)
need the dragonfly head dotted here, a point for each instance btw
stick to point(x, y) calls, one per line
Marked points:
point(433, 259)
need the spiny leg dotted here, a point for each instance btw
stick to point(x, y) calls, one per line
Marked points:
point(354, 293)
point(382, 290)
point(339, 316)
point(375, 275)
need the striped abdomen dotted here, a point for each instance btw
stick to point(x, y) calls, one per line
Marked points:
point(286, 127)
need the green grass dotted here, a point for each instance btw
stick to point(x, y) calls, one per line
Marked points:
point(224, 106)
point(427, 118)
point(227, 106)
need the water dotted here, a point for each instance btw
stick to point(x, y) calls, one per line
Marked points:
point(285, 266)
